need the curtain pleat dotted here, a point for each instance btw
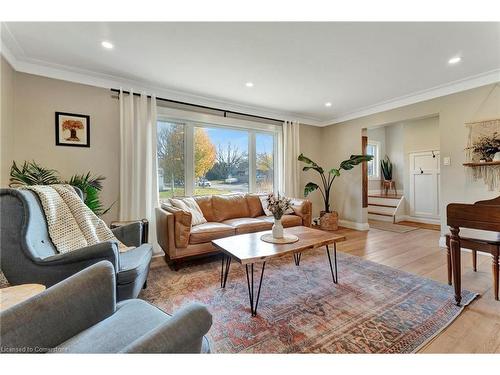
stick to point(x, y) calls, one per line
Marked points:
point(138, 166)
point(291, 150)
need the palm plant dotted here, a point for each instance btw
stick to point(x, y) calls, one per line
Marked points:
point(33, 174)
point(91, 187)
point(386, 166)
point(328, 179)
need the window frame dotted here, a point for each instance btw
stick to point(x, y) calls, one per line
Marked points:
point(376, 160)
point(191, 120)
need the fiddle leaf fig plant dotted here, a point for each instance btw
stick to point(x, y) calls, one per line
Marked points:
point(327, 179)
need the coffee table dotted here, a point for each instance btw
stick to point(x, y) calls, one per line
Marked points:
point(248, 249)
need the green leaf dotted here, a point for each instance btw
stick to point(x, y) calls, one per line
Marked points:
point(312, 164)
point(32, 174)
point(354, 160)
point(309, 188)
point(334, 172)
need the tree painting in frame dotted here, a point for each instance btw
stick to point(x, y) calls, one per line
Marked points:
point(72, 129)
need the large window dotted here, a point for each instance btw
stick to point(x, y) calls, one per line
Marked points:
point(171, 167)
point(220, 161)
point(198, 158)
point(373, 148)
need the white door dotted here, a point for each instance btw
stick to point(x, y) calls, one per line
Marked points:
point(424, 184)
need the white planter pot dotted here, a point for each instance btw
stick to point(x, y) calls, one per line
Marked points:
point(277, 229)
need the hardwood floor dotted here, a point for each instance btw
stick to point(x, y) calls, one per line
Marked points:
point(420, 225)
point(477, 329)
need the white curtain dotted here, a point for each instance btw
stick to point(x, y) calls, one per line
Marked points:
point(138, 164)
point(291, 150)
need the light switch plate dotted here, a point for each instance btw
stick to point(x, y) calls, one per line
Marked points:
point(446, 160)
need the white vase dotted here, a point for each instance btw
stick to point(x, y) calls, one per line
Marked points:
point(277, 229)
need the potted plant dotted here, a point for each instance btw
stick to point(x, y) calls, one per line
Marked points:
point(328, 218)
point(386, 166)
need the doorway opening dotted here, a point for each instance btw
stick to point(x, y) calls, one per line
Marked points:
point(402, 182)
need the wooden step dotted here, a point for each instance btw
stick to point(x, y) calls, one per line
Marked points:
point(380, 214)
point(382, 205)
point(385, 196)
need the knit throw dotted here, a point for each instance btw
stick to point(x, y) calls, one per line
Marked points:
point(72, 225)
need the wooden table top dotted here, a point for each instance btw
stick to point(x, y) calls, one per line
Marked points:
point(249, 248)
point(16, 294)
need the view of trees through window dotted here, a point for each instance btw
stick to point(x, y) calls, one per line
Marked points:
point(221, 160)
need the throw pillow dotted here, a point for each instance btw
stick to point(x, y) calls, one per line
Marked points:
point(189, 205)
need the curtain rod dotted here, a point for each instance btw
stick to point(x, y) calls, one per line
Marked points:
point(203, 107)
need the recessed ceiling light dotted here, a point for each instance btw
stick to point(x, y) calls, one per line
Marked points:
point(328, 104)
point(107, 45)
point(454, 60)
point(249, 84)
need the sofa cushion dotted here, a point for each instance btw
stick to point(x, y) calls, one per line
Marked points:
point(133, 263)
point(205, 203)
point(248, 225)
point(133, 318)
point(230, 206)
point(286, 220)
point(254, 205)
point(479, 234)
point(210, 231)
point(189, 205)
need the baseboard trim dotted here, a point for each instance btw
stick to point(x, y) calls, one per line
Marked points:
point(424, 220)
point(354, 225)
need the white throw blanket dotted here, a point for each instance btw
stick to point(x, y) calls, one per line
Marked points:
point(72, 225)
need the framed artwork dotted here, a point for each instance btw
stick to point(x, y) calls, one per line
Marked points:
point(72, 129)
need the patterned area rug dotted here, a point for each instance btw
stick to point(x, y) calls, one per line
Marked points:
point(373, 309)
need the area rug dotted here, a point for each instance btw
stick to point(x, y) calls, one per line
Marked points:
point(373, 309)
point(387, 226)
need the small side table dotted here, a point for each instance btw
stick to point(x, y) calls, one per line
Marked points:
point(144, 223)
point(13, 295)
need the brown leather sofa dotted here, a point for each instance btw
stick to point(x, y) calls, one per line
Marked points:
point(226, 215)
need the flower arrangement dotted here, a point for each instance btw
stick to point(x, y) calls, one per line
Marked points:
point(486, 146)
point(278, 205)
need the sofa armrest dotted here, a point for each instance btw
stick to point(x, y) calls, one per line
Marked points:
point(90, 254)
point(182, 225)
point(303, 208)
point(129, 234)
point(46, 320)
point(182, 333)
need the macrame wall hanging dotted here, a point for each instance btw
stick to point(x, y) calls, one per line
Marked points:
point(482, 144)
point(487, 170)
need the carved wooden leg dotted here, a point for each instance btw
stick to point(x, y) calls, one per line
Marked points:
point(456, 264)
point(474, 260)
point(495, 274)
point(448, 262)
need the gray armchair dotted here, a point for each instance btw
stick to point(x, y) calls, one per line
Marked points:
point(80, 315)
point(28, 255)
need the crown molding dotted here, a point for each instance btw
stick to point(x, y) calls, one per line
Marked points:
point(468, 83)
point(21, 63)
point(91, 78)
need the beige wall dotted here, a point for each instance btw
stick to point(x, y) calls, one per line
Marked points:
point(36, 99)
point(454, 110)
point(7, 77)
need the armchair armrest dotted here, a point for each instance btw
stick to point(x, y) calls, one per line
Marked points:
point(132, 233)
point(90, 254)
point(46, 320)
point(182, 225)
point(303, 208)
point(182, 333)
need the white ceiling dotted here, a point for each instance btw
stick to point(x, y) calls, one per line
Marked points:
point(295, 67)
